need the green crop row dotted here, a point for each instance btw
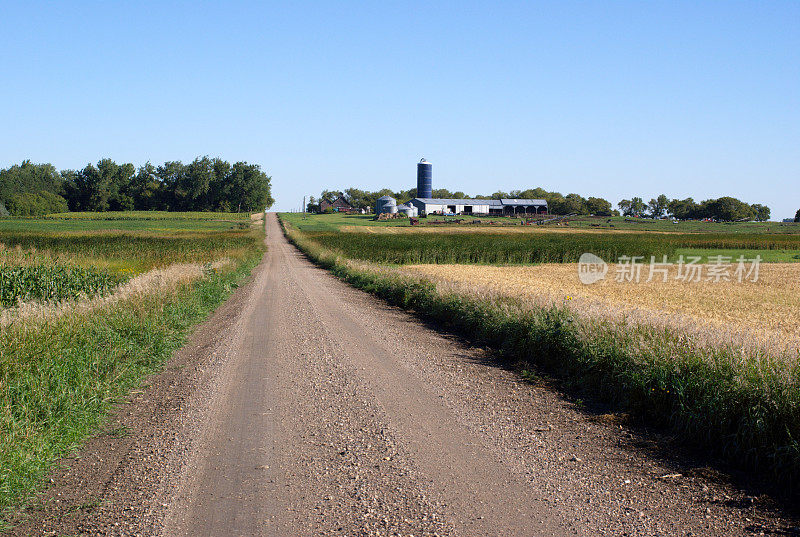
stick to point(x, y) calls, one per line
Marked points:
point(522, 248)
point(488, 248)
point(52, 283)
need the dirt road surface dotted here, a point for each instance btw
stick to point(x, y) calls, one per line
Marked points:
point(305, 407)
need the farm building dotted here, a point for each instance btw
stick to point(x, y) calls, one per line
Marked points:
point(479, 206)
point(339, 205)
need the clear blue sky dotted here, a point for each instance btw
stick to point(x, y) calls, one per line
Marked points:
point(613, 99)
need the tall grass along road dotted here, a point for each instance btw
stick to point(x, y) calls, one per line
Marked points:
point(85, 315)
point(307, 407)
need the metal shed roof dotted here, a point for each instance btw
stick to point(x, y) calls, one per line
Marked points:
point(472, 201)
point(454, 201)
point(506, 201)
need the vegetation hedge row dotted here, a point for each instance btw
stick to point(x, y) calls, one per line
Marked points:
point(736, 406)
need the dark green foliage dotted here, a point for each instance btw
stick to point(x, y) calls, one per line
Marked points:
point(203, 185)
point(762, 212)
point(31, 189)
point(36, 203)
point(29, 177)
point(797, 216)
point(51, 283)
point(658, 206)
point(493, 248)
point(598, 207)
point(683, 209)
point(727, 209)
point(632, 207)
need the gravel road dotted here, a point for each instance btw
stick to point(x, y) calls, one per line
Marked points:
point(306, 407)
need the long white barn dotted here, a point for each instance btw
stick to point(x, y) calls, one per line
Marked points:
point(478, 206)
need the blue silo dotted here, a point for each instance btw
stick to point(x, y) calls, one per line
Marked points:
point(424, 179)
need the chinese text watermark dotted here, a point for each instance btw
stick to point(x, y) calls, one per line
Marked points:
point(689, 269)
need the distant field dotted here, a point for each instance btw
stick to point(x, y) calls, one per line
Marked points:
point(647, 224)
point(489, 248)
point(396, 242)
point(130, 221)
point(329, 222)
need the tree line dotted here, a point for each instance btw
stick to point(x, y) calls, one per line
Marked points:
point(723, 209)
point(726, 209)
point(205, 184)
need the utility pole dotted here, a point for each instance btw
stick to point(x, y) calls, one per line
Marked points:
point(304, 206)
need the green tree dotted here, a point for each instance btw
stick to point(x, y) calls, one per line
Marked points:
point(632, 207)
point(574, 204)
point(658, 206)
point(37, 203)
point(330, 195)
point(797, 216)
point(556, 203)
point(250, 188)
point(87, 189)
point(357, 198)
point(145, 189)
point(683, 209)
point(192, 188)
point(169, 175)
point(728, 209)
point(598, 206)
point(29, 178)
point(762, 212)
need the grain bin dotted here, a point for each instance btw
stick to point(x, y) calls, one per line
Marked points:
point(408, 210)
point(386, 204)
point(424, 179)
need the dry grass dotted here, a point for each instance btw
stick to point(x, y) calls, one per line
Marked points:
point(768, 309)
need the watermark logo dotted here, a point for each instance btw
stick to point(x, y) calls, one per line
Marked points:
point(591, 269)
point(691, 269)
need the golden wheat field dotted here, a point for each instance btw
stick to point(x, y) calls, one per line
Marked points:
point(772, 303)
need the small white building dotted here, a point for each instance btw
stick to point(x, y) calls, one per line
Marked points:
point(479, 207)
